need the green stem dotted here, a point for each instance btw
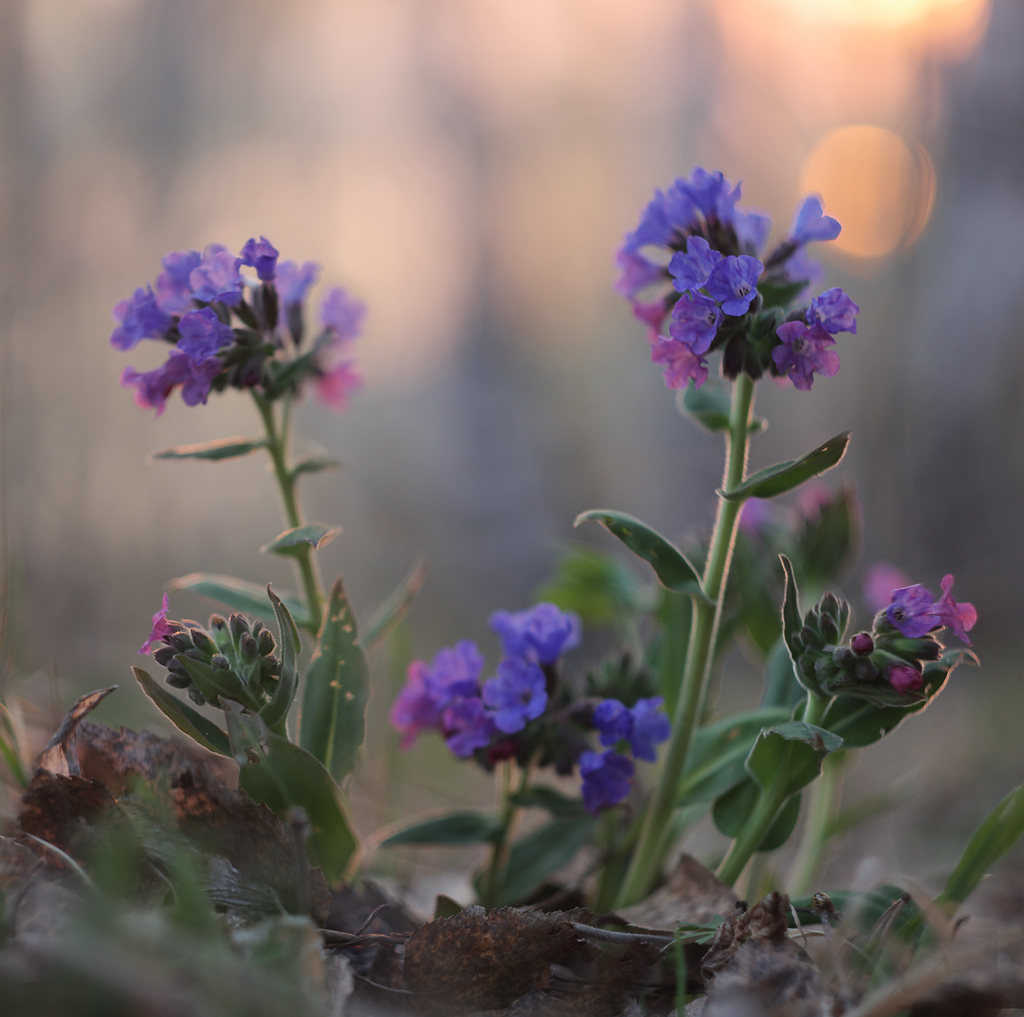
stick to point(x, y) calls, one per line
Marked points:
point(647, 858)
point(820, 810)
point(305, 564)
point(510, 813)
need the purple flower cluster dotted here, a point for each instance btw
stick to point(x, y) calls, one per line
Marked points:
point(190, 305)
point(915, 612)
point(694, 237)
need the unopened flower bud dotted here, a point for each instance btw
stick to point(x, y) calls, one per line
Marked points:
point(257, 627)
point(829, 629)
point(905, 678)
point(196, 696)
point(830, 605)
point(238, 627)
point(843, 656)
point(181, 641)
point(177, 681)
point(176, 667)
point(862, 644)
point(164, 655)
point(197, 655)
point(864, 670)
point(269, 666)
point(219, 661)
point(265, 641)
point(248, 648)
point(203, 642)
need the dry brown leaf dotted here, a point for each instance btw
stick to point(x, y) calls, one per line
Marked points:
point(58, 755)
point(692, 894)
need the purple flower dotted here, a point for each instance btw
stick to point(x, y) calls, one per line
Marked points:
point(834, 311)
point(880, 579)
point(711, 193)
point(173, 289)
point(541, 633)
point(811, 224)
point(666, 215)
point(690, 271)
point(516, 695)
point(733, 282)
point(203, 333)
point(415, 708)
point(294, 282)
point(334, 385)
point(650, 726)
point(751, 228)
point(613, 721)
point(216, 277)
point(904, 678)
point(261, 255)
point(455, 671)
point(802, 267)
point(804, 352)
point(914, 612)
point(862, 644)
point(652, 314)
point(695, 321)
point(681, 363)
point(606, 778)
point(139, 317)
point(467, 726)
point(342, 315)
point(636, 273)
point(161, 628)
point(153, 387)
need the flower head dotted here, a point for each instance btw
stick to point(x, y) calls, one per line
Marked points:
point(161, 627)
point(812, 224)
point(152, 388)
point(606, 778)
point(804, 352)
point(173, 289)
point(261, 255)
point(516, 695)
point(834, 311)
point(733, 282)
point(216, 277)
point(667, 215)
point(467, 726)
point(681, 363)
point(541, 633)
point(711, 193)
point(203, 334)
point(139, 317)
point(915, 612)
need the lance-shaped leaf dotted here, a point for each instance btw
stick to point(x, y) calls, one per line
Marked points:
point(249, 598)
point(794, 749)
point(669, 563)
point(452, 829)
point(316, 535)
point(336, 690)
point(710, 406)
point(275, 771)
point(216, 682)
point(792, 623)
point(275, 712)
point(783, 477)
point(183, 717)
point(732, 810)
point(387, 616)
point(224, 448)
point(314, 464)
point(542, 852)
point(547, 798)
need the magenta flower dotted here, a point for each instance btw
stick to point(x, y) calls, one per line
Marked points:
point(834, 311)
point(914, 612)
point(880, 579)
point(294, 282)
point(261, 255)
point(516, 695)
point(733, 282)
point(812, 224)
point(216, 277)
point(139, 317)
point(690, 271)
point(804, 352)
point(904, 678)
point(335, 385)
point(680, 362)
point(541, 633)
point(636, 273)
point(651, 314)
point(161, 629)
point(606, 778)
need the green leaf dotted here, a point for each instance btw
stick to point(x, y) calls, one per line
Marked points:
point(183, 717)
point(794, 748)
point(283, 775)
point(675, 613)
point(594, 585)
point(710, 406)
point(544, 851)
point(781, 686)
point(215, 682)
point(452, 829)
point(719, 752)
point(558, 805)
point(243, 596)
point(783, 477)
point(752, 576)
point(669, 563)
point(314, 464)
point(275, 712)
point(224, 448)
point(1001, 829)
point(290, 542)
point(337, 687)
point(780, 294)
point(731, 811)
point(792, 622)
point(387, 616)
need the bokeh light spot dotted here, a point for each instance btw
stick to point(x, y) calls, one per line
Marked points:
point(880, 189)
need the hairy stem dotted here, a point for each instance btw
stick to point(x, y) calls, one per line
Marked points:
point(647, 859)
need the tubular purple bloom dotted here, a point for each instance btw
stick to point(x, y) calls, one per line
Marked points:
point(294, 282)
point(733, 282)
point(681, 363)
point(152, 388)
point(834, 311)
point(650, 727)
point(666, 215)
point(915, 612)
point(804, 352)
point(695, 321)
point(651, 314)
point(261, 255)
point(342, 315)
point(690, 271)
point(752, 229)
point(711, 193)
point(636, 273)
point(811, 224)
point(196, 388)
point(203, 333)
point(959, 617)
point(606, 778)
point(904, 678)
point(217, 277)
point(139, 317)
point(467, 726)
point(612, 721)
point(160, 627)
point(415, 708)
point(541, 633)
point(173, 289)
point(455, 671)
point(516, 695)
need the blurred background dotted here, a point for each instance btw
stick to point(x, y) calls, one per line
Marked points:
point(468, 168)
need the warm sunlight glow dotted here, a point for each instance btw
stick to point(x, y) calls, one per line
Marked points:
point(874, 184)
